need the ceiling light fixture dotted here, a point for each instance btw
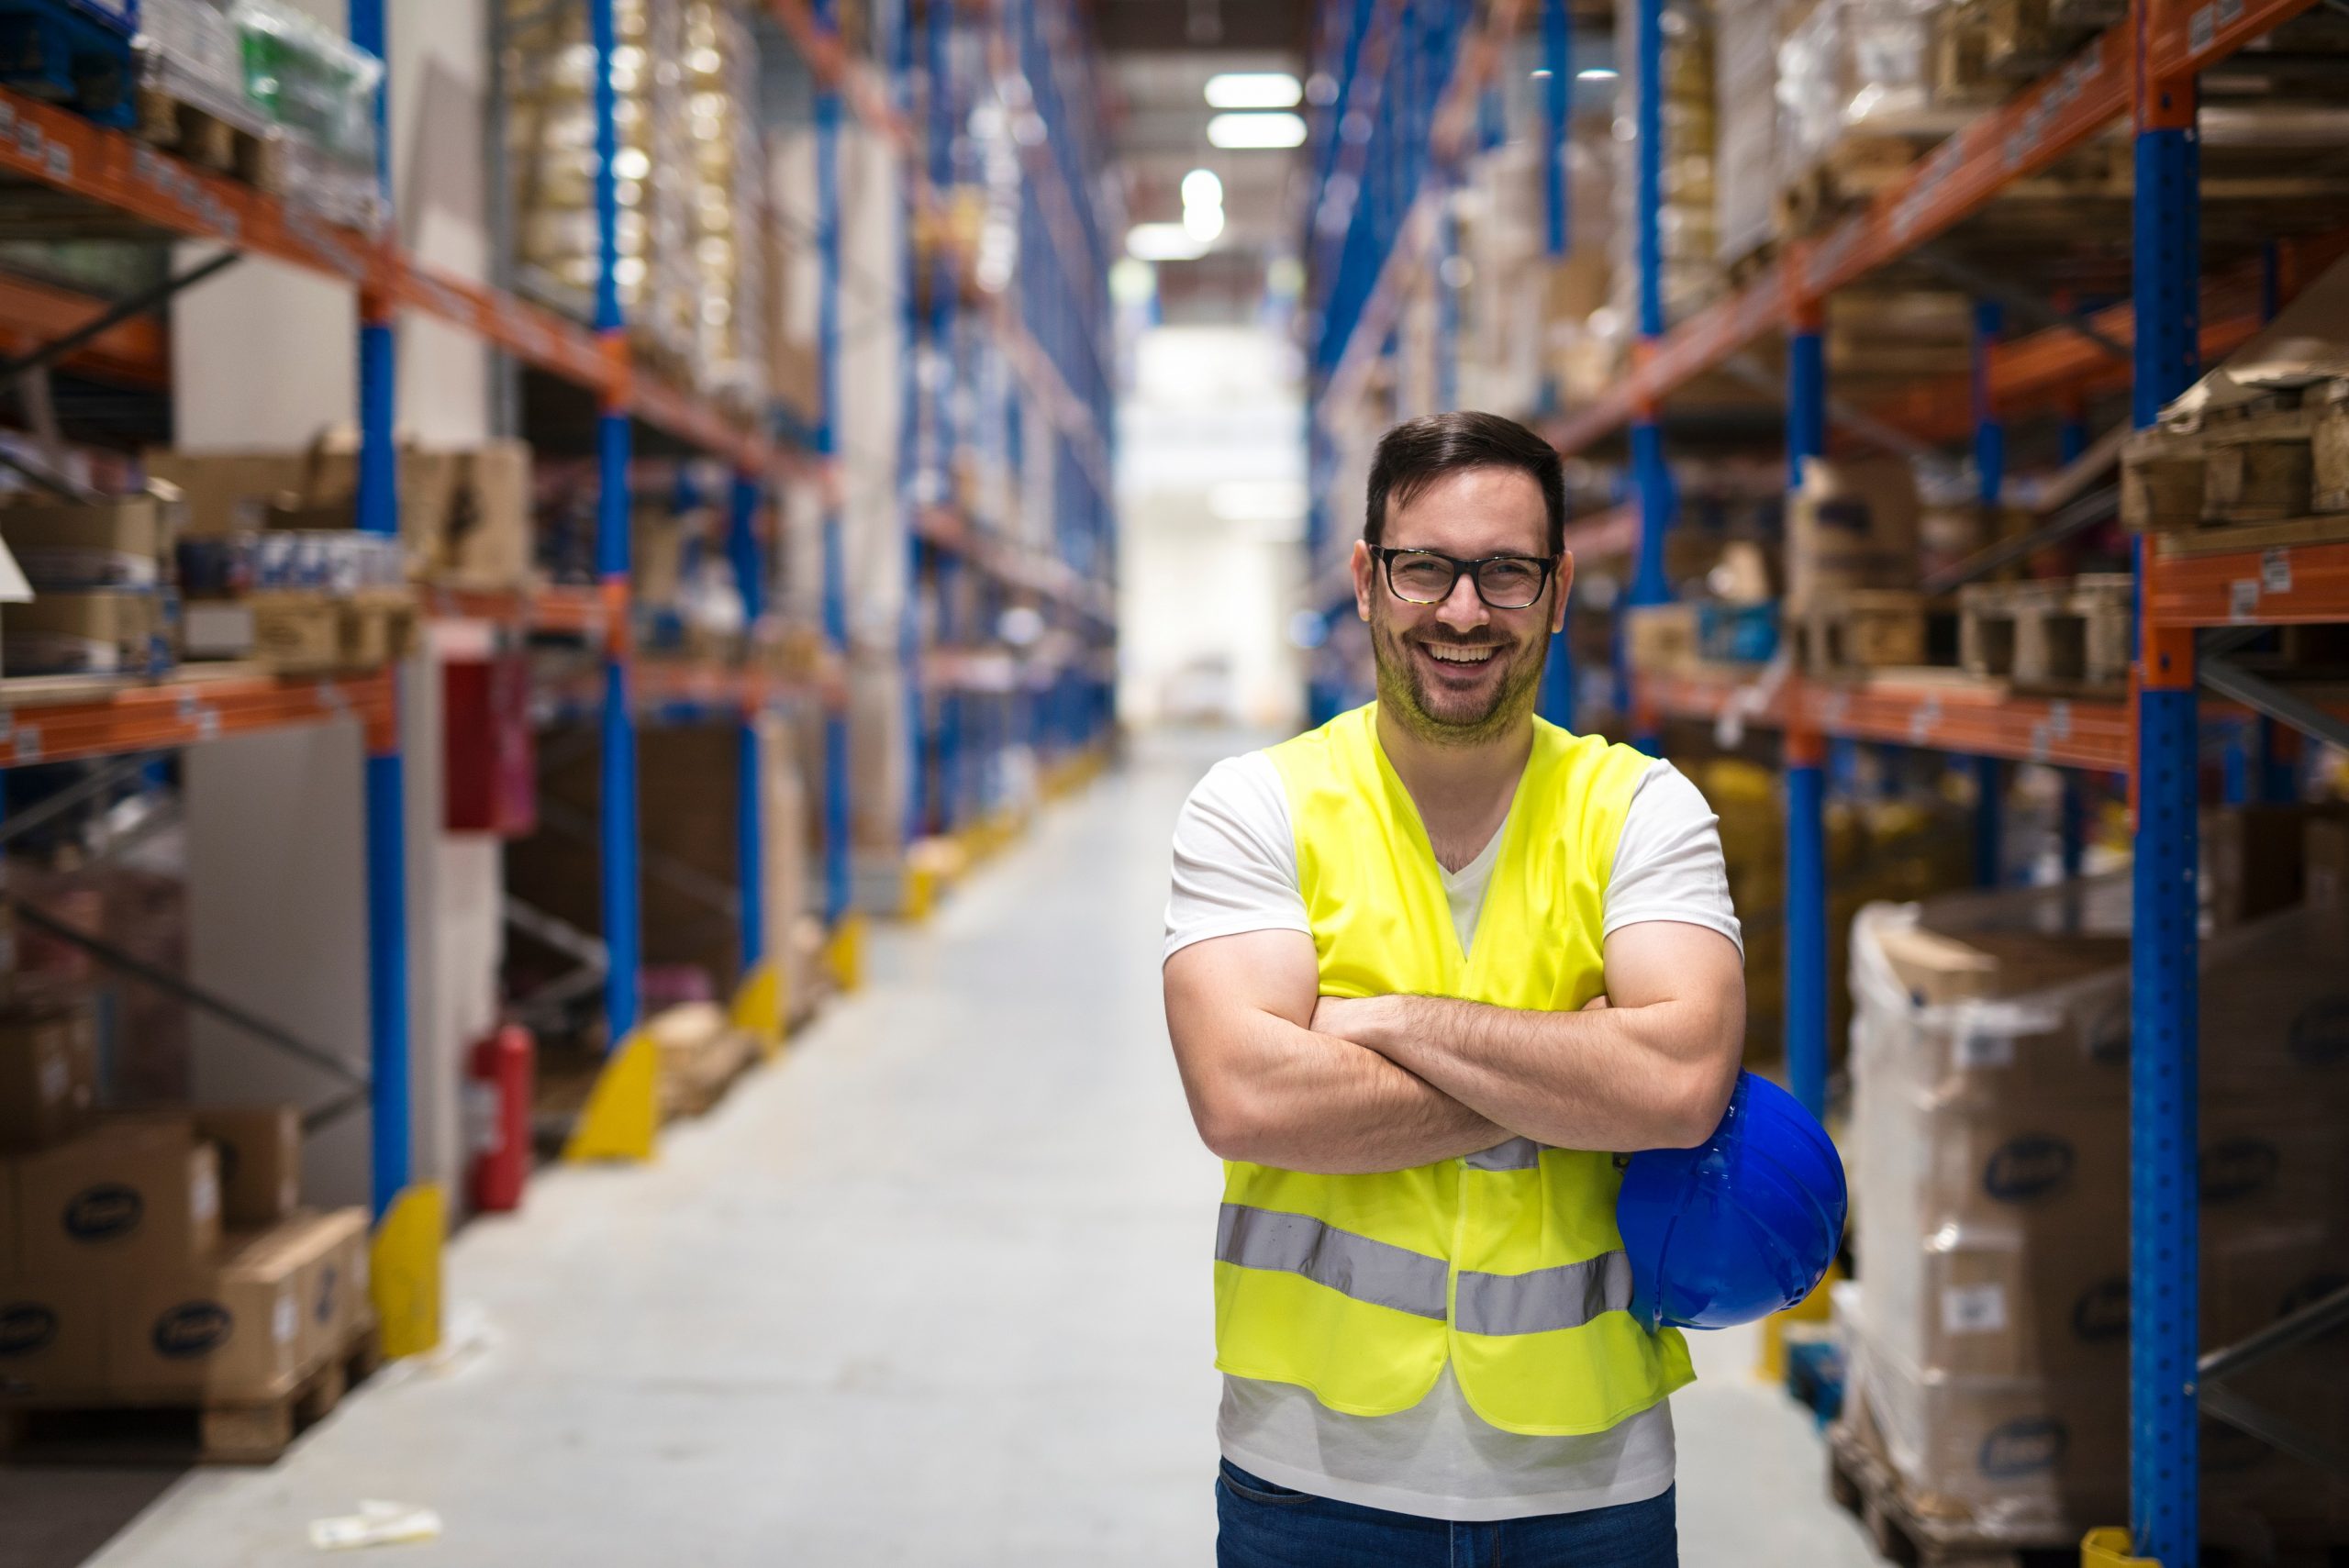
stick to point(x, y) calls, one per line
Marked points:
point(1201, 188)
point(1162, 242)
point(1595, 74)
point(1253, 90)
point(1242, 131)
point(1203, 222)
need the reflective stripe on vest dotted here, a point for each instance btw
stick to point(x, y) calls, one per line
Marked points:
point(1504, 1263)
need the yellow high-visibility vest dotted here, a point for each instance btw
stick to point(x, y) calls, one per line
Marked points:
point(1506, 1262)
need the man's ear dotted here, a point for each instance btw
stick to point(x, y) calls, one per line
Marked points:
point(1365, 570)
point(1565, 582)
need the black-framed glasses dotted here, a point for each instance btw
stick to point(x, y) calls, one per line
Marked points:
point(1428, 576)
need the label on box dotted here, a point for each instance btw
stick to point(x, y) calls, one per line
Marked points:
point(1973, 1309)
point(284, 1318)
point(1985, 1048)
point(203, 1195)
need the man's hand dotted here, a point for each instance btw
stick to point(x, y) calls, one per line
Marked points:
point(1654, 1072)
point(1267, 1084)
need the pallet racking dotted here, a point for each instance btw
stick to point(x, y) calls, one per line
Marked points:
point(1367, 248)
point(1053, 334)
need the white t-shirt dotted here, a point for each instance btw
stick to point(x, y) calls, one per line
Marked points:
point(1235, 869)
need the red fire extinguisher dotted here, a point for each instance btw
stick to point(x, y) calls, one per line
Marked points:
point(499, 1095)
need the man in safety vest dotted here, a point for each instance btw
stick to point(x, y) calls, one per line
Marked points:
point(1430, 968)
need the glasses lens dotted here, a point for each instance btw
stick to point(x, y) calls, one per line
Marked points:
point(1509, 584)
point(1422, 579)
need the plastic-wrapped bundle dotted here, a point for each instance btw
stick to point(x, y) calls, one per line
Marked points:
point(320, 89)
point(549, 67)
point(727, 206)
point(1745, 70)
point(1685, 219)
point(1852, 67)
point(1989, 1146)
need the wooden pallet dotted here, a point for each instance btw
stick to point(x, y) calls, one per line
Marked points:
point(2064, 634)
point(1870, 629)
point(1862, 1483)
point(98, 1429)
point(2273, 471)
point(204, 138)
point(308, 633)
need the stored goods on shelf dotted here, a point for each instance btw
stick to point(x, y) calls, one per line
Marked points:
point(1685, 219)
point(549, 71)
point(1854, 105)
point(2060, 632)
point(2256, 452)
point(121, 542)
point(1868, 628)
point(192, 97)
point(74, 52)
point(465, 514)
point(1990, 1133)
point(1745, 65)
point(725, 212)
point(104, 631)
point(1851, 524)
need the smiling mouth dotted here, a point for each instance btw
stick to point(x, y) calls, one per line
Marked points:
point(1452, 654)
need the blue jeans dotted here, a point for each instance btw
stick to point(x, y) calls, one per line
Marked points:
point(1263, 1525)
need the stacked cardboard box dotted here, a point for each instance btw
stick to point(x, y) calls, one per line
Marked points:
point(159, 1257)
point(103, 601)
point(1990, 1146)
point(1745, 66)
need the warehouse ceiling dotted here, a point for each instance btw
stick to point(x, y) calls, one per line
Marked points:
point(1159, 56)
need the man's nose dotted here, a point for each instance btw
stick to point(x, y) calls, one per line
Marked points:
point(1463, 610)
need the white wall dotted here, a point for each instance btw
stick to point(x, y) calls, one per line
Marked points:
point(266, 357)
point(1210, 491)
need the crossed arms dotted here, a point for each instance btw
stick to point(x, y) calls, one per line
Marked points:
point(1278, 1075)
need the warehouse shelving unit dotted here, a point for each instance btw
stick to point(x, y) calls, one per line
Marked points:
point(1366, 251)
point(1047, 336)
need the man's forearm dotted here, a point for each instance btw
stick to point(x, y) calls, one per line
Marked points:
point(1620, 1078)
point(1305, 1101)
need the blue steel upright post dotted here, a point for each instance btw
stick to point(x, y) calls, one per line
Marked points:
point(1557, 232)
point(387, 1000)
point(1650, 483)
point(749, 561)
point(1806, 758)
point(909, 449)
point(2165, 1328)
point(835, 565)
point(1989, 480)
point(623, 931)
point(404, 1252)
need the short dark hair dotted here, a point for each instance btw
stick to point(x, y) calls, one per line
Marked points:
point(1417, 452)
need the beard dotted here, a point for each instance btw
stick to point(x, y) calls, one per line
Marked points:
point(1455, 718)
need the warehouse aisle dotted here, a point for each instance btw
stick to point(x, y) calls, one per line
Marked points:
point(932, 1291)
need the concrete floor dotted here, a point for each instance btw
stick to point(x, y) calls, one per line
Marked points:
point(933, 1290)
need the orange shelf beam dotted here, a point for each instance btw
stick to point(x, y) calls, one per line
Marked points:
point(46, 720)
point(2284, 585)
point(135, 352)
point(2069, 732)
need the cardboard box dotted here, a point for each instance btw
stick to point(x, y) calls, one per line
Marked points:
point(49, 1067)
point(52, 1334)
point(1660, 637)
point(115, 543)
point(127, 1199)
point(1852, 524)
point(2021, 1455)
point(464, 516)
point(100, 632)
point(2258, 857)
point(2025, 1308)
point(259, 1150)
point(272, 1305)
point(333, 1279)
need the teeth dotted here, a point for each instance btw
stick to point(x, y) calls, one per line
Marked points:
point(1459, 655)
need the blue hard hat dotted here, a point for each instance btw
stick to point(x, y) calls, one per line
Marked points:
point(1739, 1226)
